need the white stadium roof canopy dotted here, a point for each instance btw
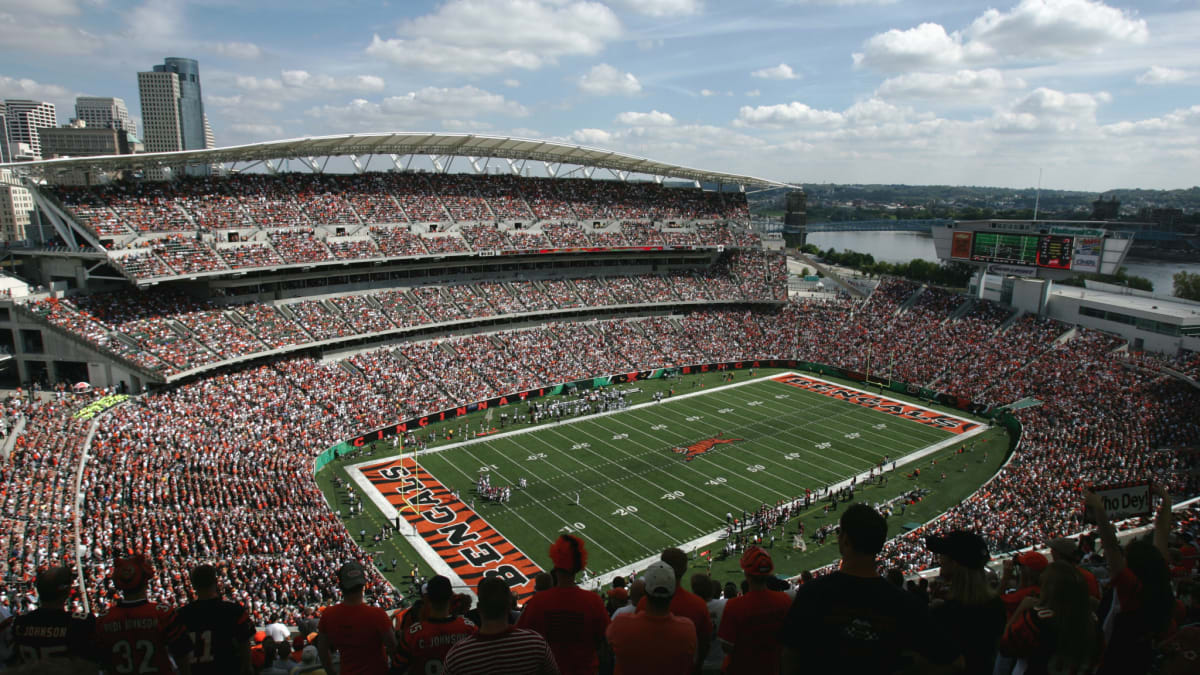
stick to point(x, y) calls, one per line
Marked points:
point(396, 144)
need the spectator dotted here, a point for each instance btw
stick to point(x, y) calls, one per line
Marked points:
point(135, 636)
point(687, 604)
point(423, 646)
point(220, 630)
point(571, 619)
point(50, 633)
point(637, 591)
point(654, 640)
point(853, 620)
point(1056, 630)
point(310, 662)
point(749, 629)
point(709, 591)
point(499, 647)
point(971, 613)
point(1064, 550)
point(361, 634)
point(1021, 574)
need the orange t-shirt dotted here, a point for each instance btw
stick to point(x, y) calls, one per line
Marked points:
point(750, 625)
point(656, 645)
point(690, 606)
point(356, 631)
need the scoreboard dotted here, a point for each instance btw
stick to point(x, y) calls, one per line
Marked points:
point(1033, 250)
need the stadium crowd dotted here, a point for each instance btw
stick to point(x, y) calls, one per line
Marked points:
point(219, 470)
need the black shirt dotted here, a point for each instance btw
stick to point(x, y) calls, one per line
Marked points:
point(976, 629)
point(216, 626)
point(52, 633)
point(849, 624)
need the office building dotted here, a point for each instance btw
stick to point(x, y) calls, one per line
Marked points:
point(16, 209)
point(173, 110)
point(22, 119)
point(101, 112)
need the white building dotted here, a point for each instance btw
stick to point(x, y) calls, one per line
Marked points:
point(105, 112)
point(16, 208)
point(23, 119)
point(159, 95)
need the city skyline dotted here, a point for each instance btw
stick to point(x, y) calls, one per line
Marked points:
point(1096, 95)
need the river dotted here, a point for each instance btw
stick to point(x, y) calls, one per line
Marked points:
point(897, 247)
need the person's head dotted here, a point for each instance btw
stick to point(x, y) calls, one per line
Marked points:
point(283, 650)
point(678, 561)
point(660, 585)
point(806, 577)
point(1031, 565)
point(204, 580)
point(309, 656)
point(757, 565)
point(542, 581)
point(731, 590)
point(131, 575)
point(702, 586)
point(1065, 550)
point(637, 591)
point(618, 582)
point(494, 599)
point(862, 532)
point(1150, 567)
point(351, 579)
point(569, 557)
point(895, 577)
point(438, 593)
point(53, 586)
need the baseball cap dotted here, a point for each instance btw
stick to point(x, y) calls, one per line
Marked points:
point(438, 589)
point(130, 574)
point(660, 580)
point(965, 548)
point(757, 562)
point(1065, 548)
point(351, 576)
point(1033, 560)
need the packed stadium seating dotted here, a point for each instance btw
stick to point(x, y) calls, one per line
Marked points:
point(154, 467)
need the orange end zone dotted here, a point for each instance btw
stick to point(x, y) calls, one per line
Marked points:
point(463, 540)
point(908, 411)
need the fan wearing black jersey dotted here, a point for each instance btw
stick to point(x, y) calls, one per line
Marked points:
point(50, 632)
point(220, 629)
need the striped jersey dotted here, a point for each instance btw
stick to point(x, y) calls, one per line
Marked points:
point(516, 651)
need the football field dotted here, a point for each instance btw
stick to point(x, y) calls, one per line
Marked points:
point(635, 481)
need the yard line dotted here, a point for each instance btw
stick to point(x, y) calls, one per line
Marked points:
point(552, 487)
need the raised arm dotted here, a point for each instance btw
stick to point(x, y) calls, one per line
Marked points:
point(1162, 522)
point(1108, 534)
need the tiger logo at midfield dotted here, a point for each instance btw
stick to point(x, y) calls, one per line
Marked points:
point(699, 448)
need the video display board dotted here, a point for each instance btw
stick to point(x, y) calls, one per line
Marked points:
point(1055, 252)
point(960, 247)
point(1004, 248)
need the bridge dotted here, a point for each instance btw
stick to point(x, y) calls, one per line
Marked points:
point(880, 225)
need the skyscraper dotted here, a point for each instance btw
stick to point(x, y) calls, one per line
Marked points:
point(172, 109)
point(22, 119)
point(104, 112)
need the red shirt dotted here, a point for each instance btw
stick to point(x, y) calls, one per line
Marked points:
point(356, 631)
point(751, 625)
point(656, 645)
point(134, 637)
point(690, 606)
point(573, 621)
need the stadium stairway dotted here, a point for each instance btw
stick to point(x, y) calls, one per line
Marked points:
point(912, 300)
point(962, 310)
point(11, 440)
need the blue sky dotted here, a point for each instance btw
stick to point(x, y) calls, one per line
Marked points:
point(853, 91)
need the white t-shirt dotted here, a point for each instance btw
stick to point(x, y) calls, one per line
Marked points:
point(716, 655)
point(628, 608)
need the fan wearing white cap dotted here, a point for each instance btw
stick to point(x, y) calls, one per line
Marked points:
point(654, 640)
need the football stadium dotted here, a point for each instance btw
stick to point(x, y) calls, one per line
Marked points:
point(276, 368)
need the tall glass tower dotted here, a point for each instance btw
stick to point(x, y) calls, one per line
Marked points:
point(191, 105)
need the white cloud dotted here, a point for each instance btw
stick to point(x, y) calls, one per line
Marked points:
point(48, 7)
point(487, 36)
point(430, 103)
point(30, 34)
point(260, 131)
point(965, 86)
point(659, 8)
point(1046, 109)
point(302, 79)
point(591, 136)
point(841, 3)
point(238, 50)
point(653, 118)
point(512, 84)
point(465, 125)
point(11, 87)
point(780, 72)
point(604, 80)
point(786, 114)
point(1171, 124)
point(1164, 75)
point(1034, 29)
point(708, 92)
point(753, 93)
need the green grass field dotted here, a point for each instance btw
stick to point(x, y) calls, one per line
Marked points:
point(637, 495)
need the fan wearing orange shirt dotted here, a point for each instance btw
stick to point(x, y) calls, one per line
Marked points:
point(750, 625)
point(134, 636)
point(362, 634)
point(571, 619)
point(686, 603)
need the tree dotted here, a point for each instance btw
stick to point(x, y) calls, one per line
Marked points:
point(1187, 285)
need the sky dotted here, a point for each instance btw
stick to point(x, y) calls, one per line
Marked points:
point(1093, 95)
